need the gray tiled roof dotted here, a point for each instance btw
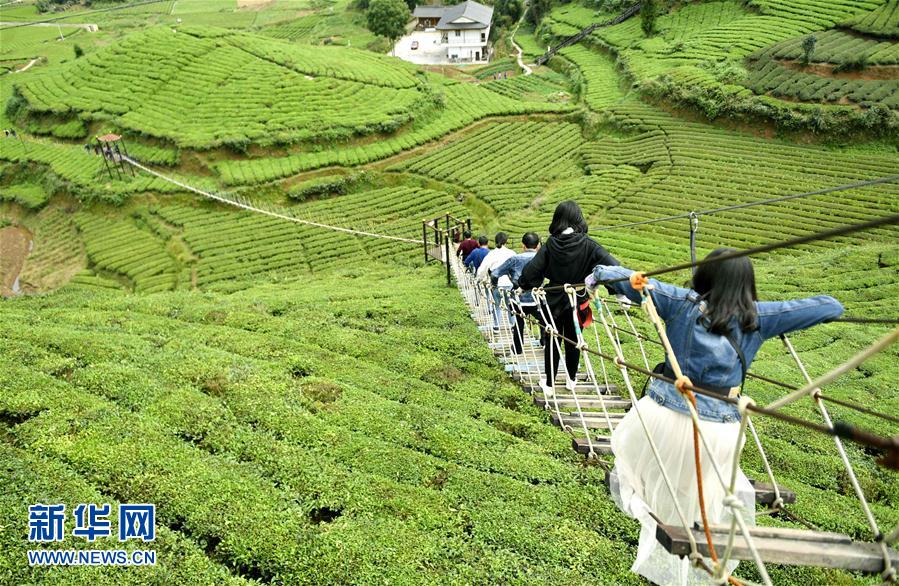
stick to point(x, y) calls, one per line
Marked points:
point(428, 11)
point(480, 14)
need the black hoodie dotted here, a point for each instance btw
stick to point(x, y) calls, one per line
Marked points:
point(566, 258)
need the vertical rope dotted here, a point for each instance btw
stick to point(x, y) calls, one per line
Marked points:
point(694, 552)
point(577, 403)
point(889, 572)
point(582, 345)
point(694, 227)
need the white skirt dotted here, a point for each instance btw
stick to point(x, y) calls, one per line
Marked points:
point(638, 486)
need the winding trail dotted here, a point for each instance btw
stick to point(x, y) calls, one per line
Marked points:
point(527, 69)
point(27, 67)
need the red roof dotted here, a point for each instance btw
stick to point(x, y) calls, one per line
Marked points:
point(109, 137)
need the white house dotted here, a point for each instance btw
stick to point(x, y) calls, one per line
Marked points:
point(448, 34)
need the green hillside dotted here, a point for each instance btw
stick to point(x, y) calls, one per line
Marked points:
point(312, 406)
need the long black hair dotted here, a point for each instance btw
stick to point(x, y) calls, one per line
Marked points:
point(568, 215)
point(728, 288)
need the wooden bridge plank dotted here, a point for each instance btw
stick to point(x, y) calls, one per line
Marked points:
point(784, 546)
point(765, 495)
point(592, 420)
point(585, 402)
point(601, 445)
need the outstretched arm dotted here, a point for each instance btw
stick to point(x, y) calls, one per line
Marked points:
point(666, 297)
point(782, 317)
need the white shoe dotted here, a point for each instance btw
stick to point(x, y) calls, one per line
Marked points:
point(548, 391)
point(570, 384)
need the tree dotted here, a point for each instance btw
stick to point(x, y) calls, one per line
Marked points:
point(808, 47)
point(509, 11)
point(388, 18)
point(537, 9)
point(648, 13)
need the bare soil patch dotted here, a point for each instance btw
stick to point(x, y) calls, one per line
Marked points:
point(869, 73)
point(253, 4)
point(15, 244)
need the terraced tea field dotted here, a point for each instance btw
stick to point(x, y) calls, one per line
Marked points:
point(696, 57)
point(307, 405)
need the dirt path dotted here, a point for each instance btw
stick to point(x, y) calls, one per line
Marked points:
point(527, 69)
point(15, 244)
point(253, 4)
point(27, 67)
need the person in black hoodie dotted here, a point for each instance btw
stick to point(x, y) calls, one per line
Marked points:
point(568, 255)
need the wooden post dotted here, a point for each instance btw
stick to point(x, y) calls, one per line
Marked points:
point(449, 282)
point(125, 148)
point(424, 239)
point(105, 162)
point(447, 251)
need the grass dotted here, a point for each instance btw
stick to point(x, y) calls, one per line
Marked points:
point(448, 496)
point(283, 92)
point(305, 405)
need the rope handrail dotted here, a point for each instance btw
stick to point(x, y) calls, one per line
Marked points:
point(822, 235)
point(819, 394)
point(258, 210)
point(826, 190)
point(838, 429)
point(850, 471)
point(850, 364)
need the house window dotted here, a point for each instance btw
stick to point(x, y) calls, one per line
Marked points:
point(483, 37)
point(458, 33)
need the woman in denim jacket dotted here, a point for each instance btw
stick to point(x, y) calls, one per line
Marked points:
point(721, 304)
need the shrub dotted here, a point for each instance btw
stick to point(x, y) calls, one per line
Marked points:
point(808, 47)
point(15, 105)
point(331, 185)
point(857, 63)
point(648, 13)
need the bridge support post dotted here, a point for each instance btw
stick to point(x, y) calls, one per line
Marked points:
point(446, 243)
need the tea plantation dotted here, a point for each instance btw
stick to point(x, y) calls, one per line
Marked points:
point(313, 406)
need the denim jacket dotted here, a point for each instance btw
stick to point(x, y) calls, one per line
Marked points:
point(512, 268)
point(708, 358)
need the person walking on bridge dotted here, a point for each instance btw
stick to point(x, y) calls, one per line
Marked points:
point(716, 327)
point(506, 277)
point(568, 255)
point(493, 260)
point(467, 245)
point(475, 257)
